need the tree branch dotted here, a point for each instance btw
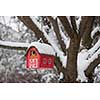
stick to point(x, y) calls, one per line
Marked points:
point(66, 25)
point(85, 29)
point(57, 32)
point(13, 45)
point(13, 48)
point(86, 25)
point(73, 22)
point(30, 24)
point(89, 71)
point(59, 66)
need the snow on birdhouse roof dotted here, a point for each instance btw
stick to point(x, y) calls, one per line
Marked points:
point(42, 48)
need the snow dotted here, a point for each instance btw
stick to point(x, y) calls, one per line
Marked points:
point(60, 54)
point(61, 76)
point(12, 30)
point(94, 56)
point(48, 77)
point(12, 61)
point(43, 48)
point(68, 17)
point(9, 33)
point(82, 65)
point(10, 22)
point(65, 38)
point(54, 17)
point(13, 44)
point(85, 57)
point(96, 29)
point(35, 21)
point(94, 48)
point(97, 74)
point(78, 22)
point(6, 19)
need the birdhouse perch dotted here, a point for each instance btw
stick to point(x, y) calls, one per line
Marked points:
point(40, 55)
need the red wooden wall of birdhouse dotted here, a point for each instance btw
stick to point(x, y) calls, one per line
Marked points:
point(47, 61)
point(36, 60)
point(32, 58)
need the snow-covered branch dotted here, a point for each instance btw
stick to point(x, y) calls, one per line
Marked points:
point(85, 58)
point(13, 44)
point(12, 34)
point(94, 49)
point(66, 25)
point(96, 29)
point(31, 25)
point(57, 32)
point(8, 28)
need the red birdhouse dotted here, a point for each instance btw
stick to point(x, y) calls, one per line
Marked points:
point(40, 55)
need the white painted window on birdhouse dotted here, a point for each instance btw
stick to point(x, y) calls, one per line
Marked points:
point(33, 63)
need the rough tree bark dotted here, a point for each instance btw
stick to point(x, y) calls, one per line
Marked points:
point(71, 72)
point(85, 29)
point(71, 67)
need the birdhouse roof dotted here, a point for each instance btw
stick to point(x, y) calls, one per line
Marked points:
point(42, 48)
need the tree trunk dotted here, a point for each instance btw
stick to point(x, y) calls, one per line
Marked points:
point(71, 68)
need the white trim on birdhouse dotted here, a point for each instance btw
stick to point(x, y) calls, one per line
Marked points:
point(43, 48)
